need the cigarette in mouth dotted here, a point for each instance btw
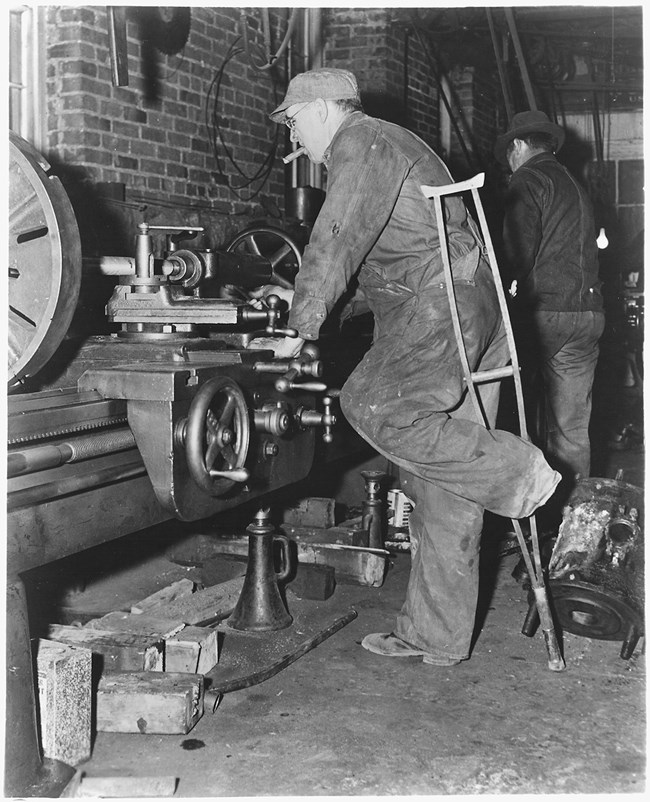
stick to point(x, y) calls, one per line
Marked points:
point(290, 157)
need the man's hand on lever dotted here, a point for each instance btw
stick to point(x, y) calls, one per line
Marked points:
point(258, 295)
point(282, 347)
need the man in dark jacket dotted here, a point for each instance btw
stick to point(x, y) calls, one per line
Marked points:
point(407, 396)
point(550, 244)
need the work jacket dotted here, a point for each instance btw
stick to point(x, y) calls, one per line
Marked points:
point(376, 225)
point(376, 220)
point(550, 238)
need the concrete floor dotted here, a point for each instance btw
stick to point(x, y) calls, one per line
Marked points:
point(342, 721)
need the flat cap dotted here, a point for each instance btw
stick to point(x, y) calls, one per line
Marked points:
point(328, 83)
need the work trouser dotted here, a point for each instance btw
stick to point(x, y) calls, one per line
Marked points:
point(445, 530)
point(455, 467)
point(568, 348)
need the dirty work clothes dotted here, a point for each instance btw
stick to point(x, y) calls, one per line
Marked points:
point(376, 216)
point(407, 398)
point(376, 225)
point(445, 531)
point(550, 241)
point(440, 607)
point(568, 348)
point(549, 238)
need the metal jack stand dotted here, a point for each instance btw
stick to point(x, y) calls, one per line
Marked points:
point(555, 659)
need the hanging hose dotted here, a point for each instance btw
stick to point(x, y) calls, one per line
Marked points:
point(271, 59)
point(218, 142)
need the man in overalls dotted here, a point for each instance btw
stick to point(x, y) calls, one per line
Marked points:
point(407, 396)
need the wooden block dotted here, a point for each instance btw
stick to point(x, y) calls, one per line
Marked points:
point(194, 650)
point(121, 651)
point(345, 535)
point(313, 511)
point(149, 702)
point(136, 624)
point(193, 549)
point(313, 582)
point(126, 787)
point(65, 701)
point(177, 590)
point(354, 563)
point(204, 605)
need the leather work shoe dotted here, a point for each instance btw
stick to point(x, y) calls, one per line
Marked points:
point(389, 645)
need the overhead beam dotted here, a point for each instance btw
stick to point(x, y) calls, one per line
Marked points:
point(528, 87)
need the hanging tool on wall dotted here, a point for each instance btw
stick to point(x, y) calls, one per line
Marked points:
point(117, 45)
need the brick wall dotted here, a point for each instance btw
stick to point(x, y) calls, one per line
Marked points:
point(188, 140)
point(153, 146)
point(395, 81)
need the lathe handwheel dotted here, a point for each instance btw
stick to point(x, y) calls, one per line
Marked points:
point(275, 245)
point(44, 261)
point(217, 434)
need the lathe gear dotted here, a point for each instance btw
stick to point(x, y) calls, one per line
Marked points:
point(282, 251)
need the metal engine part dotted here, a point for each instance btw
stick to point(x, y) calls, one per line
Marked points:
point(596, 570)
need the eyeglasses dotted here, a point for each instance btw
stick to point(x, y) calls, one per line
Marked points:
point(290, 122)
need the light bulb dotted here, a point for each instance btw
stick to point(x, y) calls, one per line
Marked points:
point(602, 240)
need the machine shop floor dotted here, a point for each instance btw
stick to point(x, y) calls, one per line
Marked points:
point(342, 721)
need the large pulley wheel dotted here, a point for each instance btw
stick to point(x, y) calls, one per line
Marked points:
point(217, 435)
point(44, 262)
point(282, 251)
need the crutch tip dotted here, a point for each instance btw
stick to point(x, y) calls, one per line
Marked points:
point(555, 659)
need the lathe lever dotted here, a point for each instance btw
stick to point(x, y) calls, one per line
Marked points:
point(247, 314)
point(309, 417)
point(306, 364)
point(235, 475)
point(273, 303)
point(285, 384)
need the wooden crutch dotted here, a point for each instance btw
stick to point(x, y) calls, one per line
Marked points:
point(472, 378)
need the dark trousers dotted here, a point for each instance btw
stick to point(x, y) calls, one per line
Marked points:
point(568, 351)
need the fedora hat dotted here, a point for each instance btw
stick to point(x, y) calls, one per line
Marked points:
point(523, 124)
